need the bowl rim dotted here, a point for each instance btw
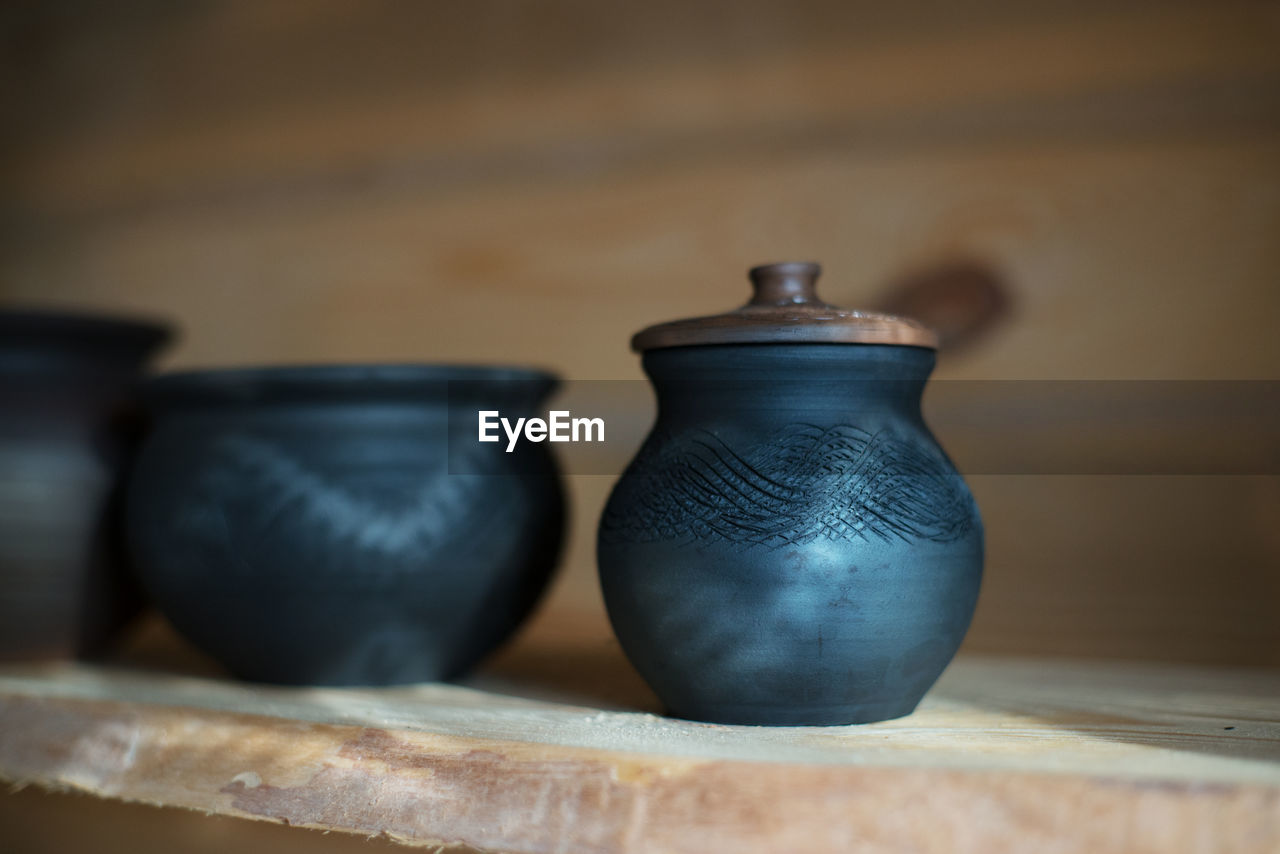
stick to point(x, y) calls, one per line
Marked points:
point(347, 381)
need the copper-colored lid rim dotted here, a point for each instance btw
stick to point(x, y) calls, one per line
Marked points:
point(785, 309)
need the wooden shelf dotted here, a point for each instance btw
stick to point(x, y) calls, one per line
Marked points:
point(557, 747)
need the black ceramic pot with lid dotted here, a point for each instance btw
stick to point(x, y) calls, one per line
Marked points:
point(790, 546)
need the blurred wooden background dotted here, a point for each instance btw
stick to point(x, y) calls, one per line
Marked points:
point(531, 182)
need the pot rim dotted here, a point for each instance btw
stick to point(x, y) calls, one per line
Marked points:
point(331, 382)
point(22, 327)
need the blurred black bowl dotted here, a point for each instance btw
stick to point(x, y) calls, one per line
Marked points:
point(309, 525)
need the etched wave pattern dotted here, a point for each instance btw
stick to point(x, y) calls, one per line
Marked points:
point(285, 494)
point(805, 483)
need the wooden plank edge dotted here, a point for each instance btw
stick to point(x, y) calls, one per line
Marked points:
point(429, 790)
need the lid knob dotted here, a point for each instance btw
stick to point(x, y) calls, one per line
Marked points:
point(787, 283)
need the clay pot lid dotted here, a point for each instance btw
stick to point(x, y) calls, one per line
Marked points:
point(785, 309)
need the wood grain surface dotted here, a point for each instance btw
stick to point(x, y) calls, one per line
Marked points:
point(37, 820)
point(1004, 755)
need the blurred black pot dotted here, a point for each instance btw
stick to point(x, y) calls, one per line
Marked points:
point(309, 526)
point(68, 423)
